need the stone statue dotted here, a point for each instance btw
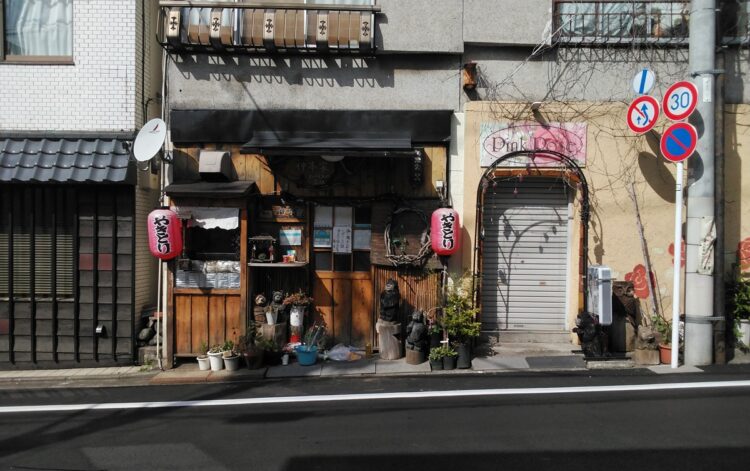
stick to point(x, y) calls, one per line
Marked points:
point(594, 342)
point(390, 299)
point(416, 332)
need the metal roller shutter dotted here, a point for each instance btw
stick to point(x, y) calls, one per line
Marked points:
point(524, 255)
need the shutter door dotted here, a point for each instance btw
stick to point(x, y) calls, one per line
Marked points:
point(524, 255)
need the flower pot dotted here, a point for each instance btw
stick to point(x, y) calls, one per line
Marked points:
point(436, 364)
point(745, 331)
point(449, 363)
point(217, 363)
point(464, 355)
point(204, 364)
point(272, 358)
point(415, 357)
point(232, 363)
point(665, 354)
point(253, 359)
point(306, 355)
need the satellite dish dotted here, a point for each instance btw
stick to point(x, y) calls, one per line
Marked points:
point(149, 140)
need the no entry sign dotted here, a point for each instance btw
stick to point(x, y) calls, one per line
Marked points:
point(680, 100)
point(642, 114)
point(678, 142)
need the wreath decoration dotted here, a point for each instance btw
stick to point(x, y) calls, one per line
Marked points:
point(404, 259)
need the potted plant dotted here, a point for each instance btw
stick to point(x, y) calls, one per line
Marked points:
point(271, 351)
point(297, 304)
point(231, 358)
point(460, 319)
point(739, 299)
point(250, 351)
point(443, 358)
point(307, 353)
point(214, 357)
point(434, 328)
point(203, 362)
point(663, 328)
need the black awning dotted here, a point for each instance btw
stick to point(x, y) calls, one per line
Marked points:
point(421, 127)
point(317, 143)
point(211, 189)
point(65, 160)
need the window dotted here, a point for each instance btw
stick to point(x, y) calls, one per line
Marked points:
point(37, 30)
point(39, 223)
point(622, 21)
point(341, 238)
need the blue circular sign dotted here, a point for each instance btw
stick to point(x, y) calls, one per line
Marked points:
point(678, 142)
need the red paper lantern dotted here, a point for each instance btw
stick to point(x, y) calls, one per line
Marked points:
point(164, 234)
point(445, 231)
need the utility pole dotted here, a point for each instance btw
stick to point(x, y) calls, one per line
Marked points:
point(701, 229)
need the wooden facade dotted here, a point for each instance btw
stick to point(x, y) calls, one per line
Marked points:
point(346, 301)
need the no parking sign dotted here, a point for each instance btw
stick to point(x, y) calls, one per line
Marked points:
point(678, 142)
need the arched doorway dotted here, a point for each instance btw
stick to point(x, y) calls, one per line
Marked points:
point(523, 241)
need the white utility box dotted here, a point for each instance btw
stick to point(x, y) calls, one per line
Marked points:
point(600, 293)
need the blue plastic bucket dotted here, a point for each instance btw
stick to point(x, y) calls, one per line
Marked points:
point(306, 356)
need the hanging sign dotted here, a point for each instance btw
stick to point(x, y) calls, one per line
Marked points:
point(445, 231)
point(643, 81)
point(642, 114)
point(680, 100)
point(164, 234)
point(342, 239)
point(678, 142)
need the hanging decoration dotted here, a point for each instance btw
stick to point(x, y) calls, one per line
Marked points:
point(445, 231)
point(395, 243)
point(164, 234)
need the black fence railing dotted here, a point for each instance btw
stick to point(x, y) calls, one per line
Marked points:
point(622, 22)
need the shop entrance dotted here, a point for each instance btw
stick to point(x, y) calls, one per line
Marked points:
point(525, 253)
point(342, 286)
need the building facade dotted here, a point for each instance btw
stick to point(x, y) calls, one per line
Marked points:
point(489, 93)
point(79, 79)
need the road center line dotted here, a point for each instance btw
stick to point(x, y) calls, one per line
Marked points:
point(376, 396)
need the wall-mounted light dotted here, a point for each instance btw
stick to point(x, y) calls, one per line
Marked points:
point(469, 76)
point(536, 105)
point(332, 158)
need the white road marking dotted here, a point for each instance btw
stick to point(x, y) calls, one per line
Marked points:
point(376, 396)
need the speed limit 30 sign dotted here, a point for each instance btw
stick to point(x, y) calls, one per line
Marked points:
point(680, 100)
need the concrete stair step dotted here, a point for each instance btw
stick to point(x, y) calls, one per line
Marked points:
point(534, 349)
point(526, 336)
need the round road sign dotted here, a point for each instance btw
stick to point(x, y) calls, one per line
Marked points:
point(642, 114)
point(680, 100)
point(643, 81)
point(678, 142)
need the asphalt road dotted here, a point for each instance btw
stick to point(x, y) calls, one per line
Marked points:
point(506, 425)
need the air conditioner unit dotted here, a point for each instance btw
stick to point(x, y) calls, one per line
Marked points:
point(216, 166)
point(600, 293)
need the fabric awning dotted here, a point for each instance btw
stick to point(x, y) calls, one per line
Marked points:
point(210, 218)
point(213, 190)
point(65, 160)
point(337, 143)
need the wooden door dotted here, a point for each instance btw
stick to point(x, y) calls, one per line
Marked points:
point(342, 286)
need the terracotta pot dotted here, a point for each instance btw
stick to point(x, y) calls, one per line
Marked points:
point(665, 354)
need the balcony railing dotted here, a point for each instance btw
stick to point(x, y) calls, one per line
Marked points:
point(648, 22)
point(229, 27)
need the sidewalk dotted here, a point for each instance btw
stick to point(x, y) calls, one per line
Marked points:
point(188, 372)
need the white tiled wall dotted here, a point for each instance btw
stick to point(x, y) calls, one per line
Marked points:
point(97, 93)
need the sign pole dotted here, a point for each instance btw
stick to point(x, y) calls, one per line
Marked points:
point(677, 266)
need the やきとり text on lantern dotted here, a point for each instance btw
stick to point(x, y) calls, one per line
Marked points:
point(445, 231)
point(164, 234)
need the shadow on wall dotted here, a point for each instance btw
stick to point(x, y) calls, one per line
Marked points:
point(342, 71)
point(654, 169)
